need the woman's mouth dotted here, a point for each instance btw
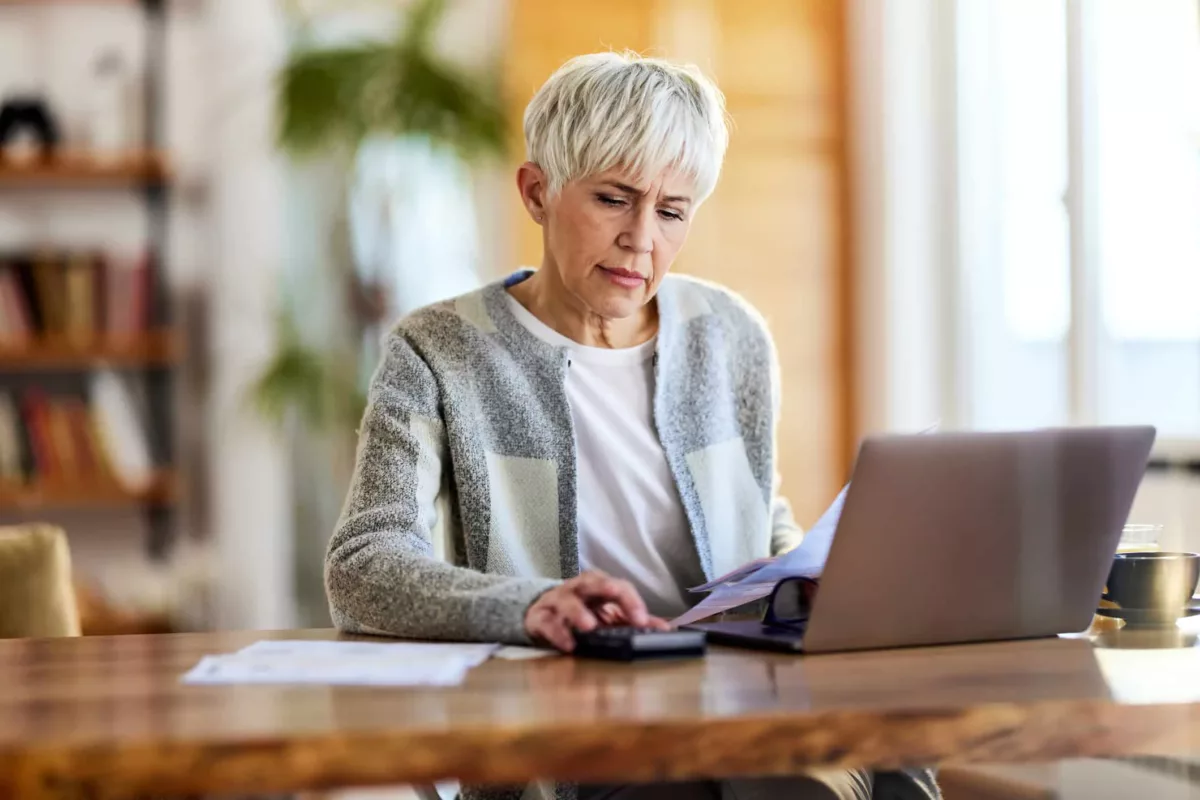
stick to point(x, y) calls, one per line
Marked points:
point(625, 278)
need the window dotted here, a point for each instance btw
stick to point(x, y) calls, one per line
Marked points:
point(1139, 133)
point(1147, 79)
point(1014, 231)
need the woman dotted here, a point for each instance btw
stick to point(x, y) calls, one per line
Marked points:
point(582, 442)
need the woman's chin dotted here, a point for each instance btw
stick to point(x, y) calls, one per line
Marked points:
point(618, 307)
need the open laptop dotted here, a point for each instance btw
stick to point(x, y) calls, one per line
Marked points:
point(965, 537)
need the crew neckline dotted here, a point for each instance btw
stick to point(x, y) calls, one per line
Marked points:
point(602, 356)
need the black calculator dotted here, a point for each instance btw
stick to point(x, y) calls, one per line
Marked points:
point(632, 644)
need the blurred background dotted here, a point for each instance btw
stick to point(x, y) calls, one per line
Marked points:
point(979, 213)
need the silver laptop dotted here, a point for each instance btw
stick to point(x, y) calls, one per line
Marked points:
point(966, 537)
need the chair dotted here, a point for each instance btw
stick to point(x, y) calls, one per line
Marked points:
point(998, 783)
point(36, 595)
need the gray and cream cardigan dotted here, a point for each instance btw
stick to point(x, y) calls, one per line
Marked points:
point(462, 509)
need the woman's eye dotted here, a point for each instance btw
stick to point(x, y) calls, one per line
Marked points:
point(671, 215)
point(609, 200)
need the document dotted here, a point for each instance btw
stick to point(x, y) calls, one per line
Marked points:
point(342, 663)
point(515, 653)
point(473, 654)
point(757, 579)
point(723, 598)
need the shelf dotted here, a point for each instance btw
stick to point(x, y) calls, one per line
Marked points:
point(36, 3)
point(158, 348)
point(160, 492)
point(81, 170)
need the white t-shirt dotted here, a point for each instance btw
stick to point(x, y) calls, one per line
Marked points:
point(631, 521)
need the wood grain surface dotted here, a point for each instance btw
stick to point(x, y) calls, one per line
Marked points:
point(108, 717)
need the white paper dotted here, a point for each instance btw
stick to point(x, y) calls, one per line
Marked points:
point(807, 560)
point(473, 654)
point(733, 576)
point(238, 668)
point(756, 579)
point(723, 599)
point(514, 653)
point(343, 663)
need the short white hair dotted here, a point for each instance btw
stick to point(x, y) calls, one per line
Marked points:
point(620, 110)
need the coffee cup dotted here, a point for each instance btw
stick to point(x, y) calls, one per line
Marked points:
point(1153, 581)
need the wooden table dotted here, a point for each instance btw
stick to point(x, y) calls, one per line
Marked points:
point(107, 717)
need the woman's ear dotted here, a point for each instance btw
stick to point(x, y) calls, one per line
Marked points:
point(532, 183)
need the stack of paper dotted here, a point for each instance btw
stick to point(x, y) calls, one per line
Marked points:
point(343, 663)
point(755, 580)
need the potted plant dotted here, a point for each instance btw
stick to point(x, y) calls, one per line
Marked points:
point(331, 101)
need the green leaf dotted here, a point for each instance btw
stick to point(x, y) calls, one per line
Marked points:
point(336, 98)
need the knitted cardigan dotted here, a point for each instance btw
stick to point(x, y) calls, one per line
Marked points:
point(462, 510)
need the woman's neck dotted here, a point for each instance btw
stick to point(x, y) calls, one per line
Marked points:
point(544, 296)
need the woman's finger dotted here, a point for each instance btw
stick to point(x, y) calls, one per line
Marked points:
point(610, 614)
point(575, 613)
point(558, 634)
point(536, 621)
point(595, 586)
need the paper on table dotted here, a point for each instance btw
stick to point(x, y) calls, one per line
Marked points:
point(347, 663)
point(356, 671)
point(514, 653)
point(472, 654)
point(806, 560)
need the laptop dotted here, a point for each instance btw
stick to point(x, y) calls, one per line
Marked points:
point(966, 537)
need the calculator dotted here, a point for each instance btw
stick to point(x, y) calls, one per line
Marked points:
point(632, 644)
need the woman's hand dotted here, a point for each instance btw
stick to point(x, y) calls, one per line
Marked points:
point(584, 603)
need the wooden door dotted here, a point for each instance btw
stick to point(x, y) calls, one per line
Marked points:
point(775, 230)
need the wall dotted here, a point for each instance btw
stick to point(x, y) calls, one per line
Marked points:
point(251, 519)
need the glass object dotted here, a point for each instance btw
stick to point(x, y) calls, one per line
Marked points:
point(1139, 538)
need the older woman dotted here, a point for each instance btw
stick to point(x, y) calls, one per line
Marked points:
point(576, 445)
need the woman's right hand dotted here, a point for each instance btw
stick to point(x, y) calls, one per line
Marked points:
point(583, 603)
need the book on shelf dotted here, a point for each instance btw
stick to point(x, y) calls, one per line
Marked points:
point(66, 441)
point(77, 297)
point(13, 464)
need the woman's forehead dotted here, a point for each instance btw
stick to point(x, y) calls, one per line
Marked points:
point(668, 183)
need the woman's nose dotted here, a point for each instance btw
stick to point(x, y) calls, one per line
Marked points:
point(638, 237)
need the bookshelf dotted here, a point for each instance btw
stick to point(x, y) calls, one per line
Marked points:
point(80, 170)
point(152, 349)
point(68, 3)
point(161, 490)
point(83, 315)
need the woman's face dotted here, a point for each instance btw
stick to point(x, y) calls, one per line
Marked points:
point(612, 238)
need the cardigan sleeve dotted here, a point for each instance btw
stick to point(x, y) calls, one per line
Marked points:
point(381, 575)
